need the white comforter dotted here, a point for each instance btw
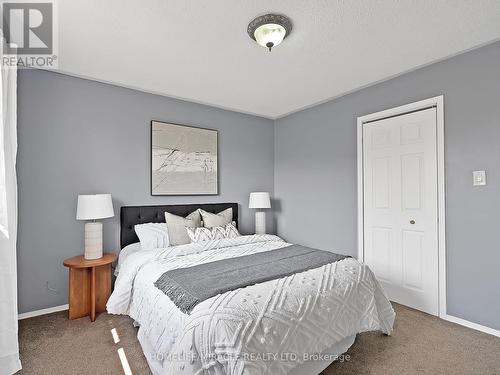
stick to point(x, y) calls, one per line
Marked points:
point(261, 329)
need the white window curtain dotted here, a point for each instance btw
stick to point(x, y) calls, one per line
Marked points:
point(9, 346)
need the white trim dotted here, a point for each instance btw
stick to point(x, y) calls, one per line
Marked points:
point(437, 101)
point(441, 205)
point(49, 310)
point(477, 327)
point(361, 208)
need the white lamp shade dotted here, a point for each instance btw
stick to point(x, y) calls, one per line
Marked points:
point(96, 206)
point(259, 199)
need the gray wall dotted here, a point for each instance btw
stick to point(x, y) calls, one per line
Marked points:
point(315, 172)
point(78, 136)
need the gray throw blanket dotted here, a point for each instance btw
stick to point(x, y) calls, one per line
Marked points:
point(187, 287)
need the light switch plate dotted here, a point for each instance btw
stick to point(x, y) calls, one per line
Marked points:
point(479, 178)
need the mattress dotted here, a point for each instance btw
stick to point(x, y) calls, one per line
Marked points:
point(267, 328)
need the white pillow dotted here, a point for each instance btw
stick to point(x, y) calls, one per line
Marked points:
point(216, 233)
point(152, 235)
point(211, 220)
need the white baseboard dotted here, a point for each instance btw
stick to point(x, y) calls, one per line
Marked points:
point(49, 310)
point(477, 327)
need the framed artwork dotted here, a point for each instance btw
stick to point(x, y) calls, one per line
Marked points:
point(183, 160)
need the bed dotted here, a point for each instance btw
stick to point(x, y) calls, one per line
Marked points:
point(297, 324)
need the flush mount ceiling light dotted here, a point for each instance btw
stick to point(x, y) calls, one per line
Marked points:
point(269, 30)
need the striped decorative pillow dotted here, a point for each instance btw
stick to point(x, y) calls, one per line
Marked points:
point(201, 234)
point(152, 235)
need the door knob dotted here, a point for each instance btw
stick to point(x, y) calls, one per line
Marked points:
point(412, 221)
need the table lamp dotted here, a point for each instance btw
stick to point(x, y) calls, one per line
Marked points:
point(260, 200)
point(94, 207)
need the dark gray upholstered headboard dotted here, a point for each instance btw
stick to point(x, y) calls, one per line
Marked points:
point(132, 215)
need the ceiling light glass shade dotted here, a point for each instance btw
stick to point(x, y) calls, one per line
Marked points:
point(270, 35)
point(269, 30)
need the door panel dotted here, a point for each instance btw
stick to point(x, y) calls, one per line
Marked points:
point(412, 248)
point(411, 181)
point(400, 207)
point(381, 183)
point(381, 244)
point(411, 133)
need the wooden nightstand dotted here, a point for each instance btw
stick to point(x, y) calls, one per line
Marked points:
point(89, 285)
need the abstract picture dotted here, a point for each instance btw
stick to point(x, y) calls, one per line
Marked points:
point(183, 160)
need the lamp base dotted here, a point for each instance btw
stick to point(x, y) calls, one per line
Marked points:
point(93, 240)
point(260, 222)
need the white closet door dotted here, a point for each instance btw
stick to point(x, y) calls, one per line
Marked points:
point(401, 207)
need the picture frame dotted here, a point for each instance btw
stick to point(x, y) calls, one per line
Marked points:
point(183, 160)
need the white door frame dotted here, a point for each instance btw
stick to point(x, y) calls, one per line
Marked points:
point(437, 102)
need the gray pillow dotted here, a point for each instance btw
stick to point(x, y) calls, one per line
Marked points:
point(216, 220)
point(176, 227)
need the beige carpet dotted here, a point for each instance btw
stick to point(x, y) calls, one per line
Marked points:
point(421, 344)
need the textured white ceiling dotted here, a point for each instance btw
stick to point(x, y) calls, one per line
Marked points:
point(200, 51)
